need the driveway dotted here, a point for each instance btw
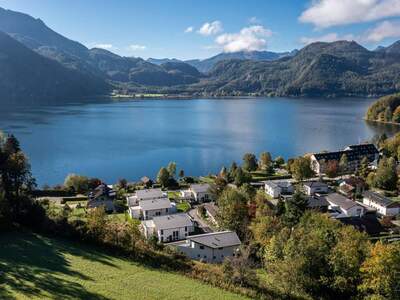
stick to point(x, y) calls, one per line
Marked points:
point(202, 224)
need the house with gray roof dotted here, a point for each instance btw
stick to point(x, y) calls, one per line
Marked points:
point(315, 187)
point(276, 188)
point(148, 209)
point(145, 194)
point(344, 206)
point(102, 196)
point(168, 228)
point(198, 193)
point(211, 247)
point(383, 205)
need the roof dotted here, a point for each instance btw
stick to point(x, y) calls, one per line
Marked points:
point(149, 193)
point(155, 204)
point(316, 184)
point(101, 190)
point(317, 202)
point(216, 239)
point(380, 199)
point(368, 224)
point(278, 183)
point(145, 179)
point(200, 188)
point(340, 200)
point(172, 221)
point(353, 152)
point(353, 181)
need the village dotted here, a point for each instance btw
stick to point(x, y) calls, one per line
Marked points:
point(186, 217)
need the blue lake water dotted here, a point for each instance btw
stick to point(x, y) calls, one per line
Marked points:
point(130, 139)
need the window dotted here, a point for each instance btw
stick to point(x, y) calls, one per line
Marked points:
point(198, 255)
point(162, 232)
point(162, 239)
point(205, 256)
point(166, 210)
point(214, 257)
point(201, 247)
point(185, 228)
point(220, 248)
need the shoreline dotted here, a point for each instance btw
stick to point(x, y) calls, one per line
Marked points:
point(381, 122)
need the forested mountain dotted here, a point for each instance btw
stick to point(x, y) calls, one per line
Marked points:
point(320, 69)
point(205, 65)
point(29, 78)
point(34, 34)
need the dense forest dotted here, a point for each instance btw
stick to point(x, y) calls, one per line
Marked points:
point(385, 109)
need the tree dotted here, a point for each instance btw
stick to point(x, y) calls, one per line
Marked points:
point(279, 161)
point(218, 187)
point(163, 177)
point(241, 177)
point(265, 161)
point(343, 163)
point(301, 168)
point(249, 162)
point(223, 173)
point(181, 173)
point(232, 171)
point(171, 168)
point(381, 272)
point(332, 168)
point(295, 208)
point(363, 170)
point(77, 183)
point(233, 211)
point(386, 175)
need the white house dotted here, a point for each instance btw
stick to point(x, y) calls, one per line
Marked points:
point(344, 206)
point(102, 196)
point(168, 228)
point(146, 194)
point(276, 188)
point(148, 209)
point(198, 193)
point(314, 187)
point(211, 247)
point(383, 205)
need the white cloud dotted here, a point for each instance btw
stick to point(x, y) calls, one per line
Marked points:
point(327, 13)
point(210, 28)
point(328, 38)
point(189, 29)
point(248, 39)
point(254, 20)
point(137, 47)
point(382, 31)
point(104, 46)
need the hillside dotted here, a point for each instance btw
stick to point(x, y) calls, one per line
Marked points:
point(29, 78)
point(35, 267)
point(34, 34)
point(385, 109)
point(321, 69)
point(206, 65)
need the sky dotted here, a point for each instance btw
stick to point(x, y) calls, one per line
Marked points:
point(187, 29)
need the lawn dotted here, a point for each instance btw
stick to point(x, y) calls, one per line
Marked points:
point(35, 267)
point(183, 206)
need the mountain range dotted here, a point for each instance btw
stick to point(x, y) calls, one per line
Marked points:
point(65, 69)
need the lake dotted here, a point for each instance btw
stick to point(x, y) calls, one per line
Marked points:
point(130, 139)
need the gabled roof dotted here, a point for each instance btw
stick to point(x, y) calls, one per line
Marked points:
point(316, 184)
point(155, 204)
point(278, 183)
point(101, 190)
point(200, 188)
point(380, 199)
point(341, 201)
point(315, 202)
point(216, 239)
point(172, 221)
point(149, 193)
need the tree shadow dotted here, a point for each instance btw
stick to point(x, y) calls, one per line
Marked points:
point(31, 264)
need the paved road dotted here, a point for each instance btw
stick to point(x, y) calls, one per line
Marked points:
point(202, 224)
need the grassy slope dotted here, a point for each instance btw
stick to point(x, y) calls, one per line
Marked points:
point(35, 267)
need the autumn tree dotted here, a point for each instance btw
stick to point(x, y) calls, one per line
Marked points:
point(163, 177)
point(265, 161)
point(381, 272)
point(301, 168)
point(332, 168)
point(249, 162)
point(171, 168)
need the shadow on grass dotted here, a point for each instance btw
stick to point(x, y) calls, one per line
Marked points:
point(29, 265)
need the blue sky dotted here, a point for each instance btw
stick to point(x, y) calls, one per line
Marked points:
point(188, 29)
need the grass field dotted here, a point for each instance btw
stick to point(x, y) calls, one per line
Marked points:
point(35, 267)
